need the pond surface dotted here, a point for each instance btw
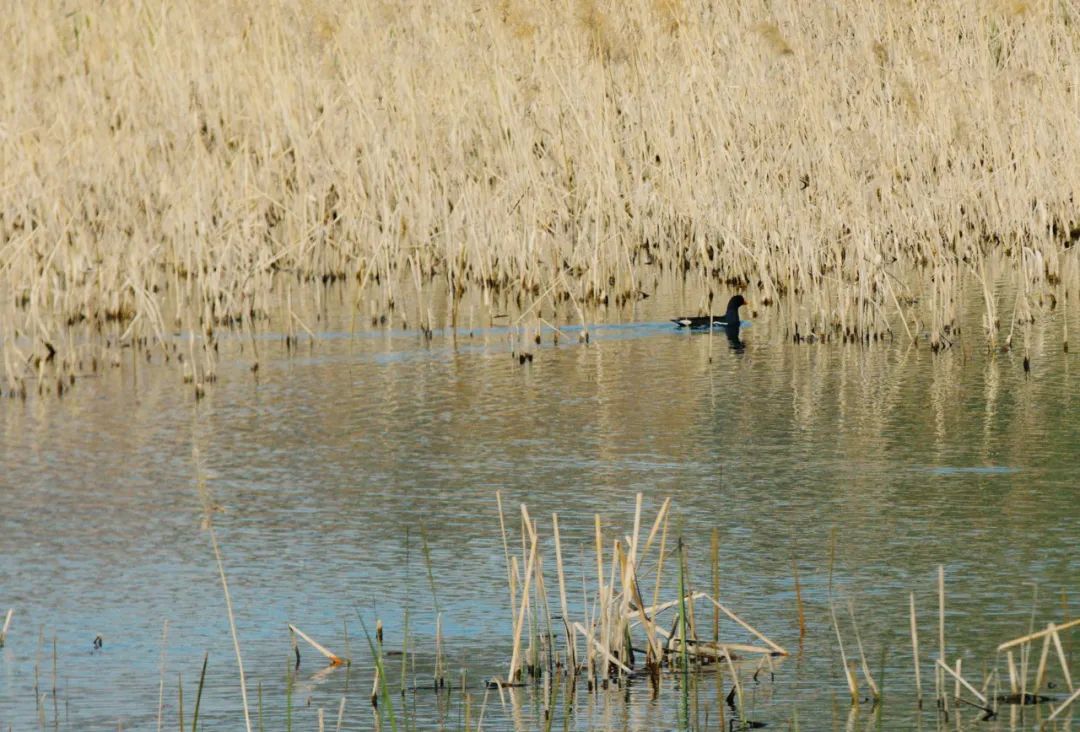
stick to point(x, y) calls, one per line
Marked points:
point(335, 466)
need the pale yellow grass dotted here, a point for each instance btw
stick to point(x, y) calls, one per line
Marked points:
point(168, 165)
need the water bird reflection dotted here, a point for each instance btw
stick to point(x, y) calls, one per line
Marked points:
point(734, 342)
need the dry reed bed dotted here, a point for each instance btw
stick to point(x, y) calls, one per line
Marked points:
point(165, 164)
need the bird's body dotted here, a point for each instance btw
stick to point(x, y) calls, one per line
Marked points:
point(729, 319)
point(698, 322)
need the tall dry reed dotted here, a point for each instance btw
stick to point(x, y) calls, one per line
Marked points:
point(182, 167)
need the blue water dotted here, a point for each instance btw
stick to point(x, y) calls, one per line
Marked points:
point(334, 465)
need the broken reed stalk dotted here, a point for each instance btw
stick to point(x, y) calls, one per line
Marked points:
point(1061, 659)
point(658, 523)
point(7, 624)
point(340, 714)
point(716, 650)
point(853, 685)
point(602, 649)
point(941, 628)
point(161, 673)
point(506, 553)
point(961, 681)
point(380, 674)
point(335, 660)
point(1050, 630)
point(689, 586)
point(714, 560)
point(746, 626)
point(515, 658)
point(404, 648)
point(232, 629)
point(631, 594)
point(377, 677)
point(1064, 705)
point(683, 637)
point(956, 688)
point(541, 593)
point(862, 656)
point(655, 653)
point(1040, 674)
point(798, 600)
point(601, 585)
point(662, 551)
point(483, 708)
point(735, 681)
point(208, 524)
point(440, 670)
point(611, 638)
point(571, 638)
point(915, 650)
point(654, 610)
point(629, 579)
point(1014, 686)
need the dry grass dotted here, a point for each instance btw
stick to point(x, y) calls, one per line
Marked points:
point(180, 166)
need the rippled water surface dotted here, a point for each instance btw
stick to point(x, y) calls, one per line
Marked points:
point(333, 467)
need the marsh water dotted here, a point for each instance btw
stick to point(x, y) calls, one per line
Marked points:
point(343, 470)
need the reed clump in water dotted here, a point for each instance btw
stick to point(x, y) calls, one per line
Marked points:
point(179, 170)
point(622, 635)
point(1028, 681)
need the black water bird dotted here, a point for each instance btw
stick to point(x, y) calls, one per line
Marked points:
point(730, 319)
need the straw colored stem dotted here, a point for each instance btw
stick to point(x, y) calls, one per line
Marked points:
point(962, 681)
point(1064, 705)
point(749, 628)
point(660, 555)
point(660, 522)
point(602, 650)
point(1040, 674)
point(654, 610)
point(915, 649)
point(715, 650)
point(335, 660)
point(161, 673)
point(853, 686)
point(515, 658)
point(735, 681)
point(655, 650)
point(1061, 658)
point(941, 613)
point(7, 624)
point(798, 599)
point(862, 656)
point(232, 629)
point(1050, 630)
point(571, 639)
point(714, 561)
point(506, 554)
